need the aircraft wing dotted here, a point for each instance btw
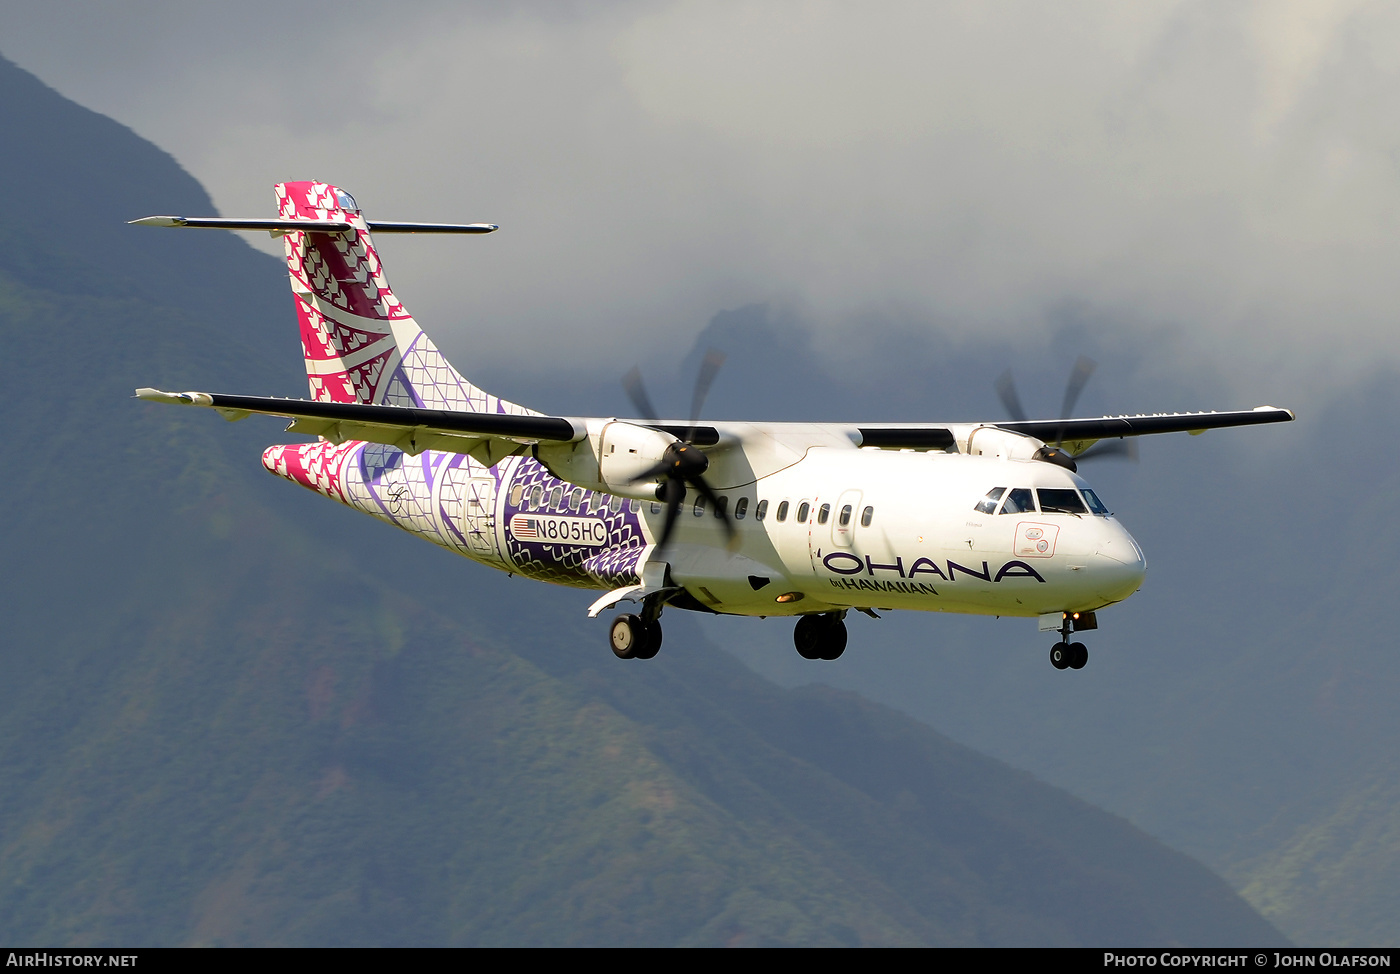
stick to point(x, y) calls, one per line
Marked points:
point(487, 437)
point(320, 226)
point(1076, 435)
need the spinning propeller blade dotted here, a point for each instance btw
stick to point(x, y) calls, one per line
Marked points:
point(637, 392)
point(1006, 389)
point(683, 464)
point(1078, 378)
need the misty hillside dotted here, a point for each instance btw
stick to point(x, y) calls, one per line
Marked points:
point(236, 715)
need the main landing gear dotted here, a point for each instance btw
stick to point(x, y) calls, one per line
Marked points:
point(638, 636)
point(820, 636)
point(633, 638)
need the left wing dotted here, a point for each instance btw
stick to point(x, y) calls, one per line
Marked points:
point(1075, 435)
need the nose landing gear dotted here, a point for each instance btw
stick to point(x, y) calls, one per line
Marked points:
point(1069, 656)
point(1065, 654)
point(820, 636)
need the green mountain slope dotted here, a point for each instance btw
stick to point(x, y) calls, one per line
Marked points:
point(1337, 881)
point(235, 714)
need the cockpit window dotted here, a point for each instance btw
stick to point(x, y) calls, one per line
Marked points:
point(1095, 504)
point(988, 504)
point(1019, 501)
point(1061, 500)
point(346, 201)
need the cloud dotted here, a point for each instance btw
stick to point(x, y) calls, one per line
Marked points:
point(1226, 169)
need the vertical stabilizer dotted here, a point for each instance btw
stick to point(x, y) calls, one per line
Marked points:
point(360, 343)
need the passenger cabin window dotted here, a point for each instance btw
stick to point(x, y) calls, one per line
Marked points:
point(721, 505)
point(1019, 501)
point(824, 514)
point(555, 496)
point(803, 510)
point(865, 516)
point(614, 503)
point(1096, 505)
point(782, 511)
point(844, 518)
point(536, 495)
point(656, 507)
point(741, 507)
point(699, 505)
point(1061, 500)
point(516, 493)
point(761, 511)
point(634, 505)
point(988, 504)
point(575, 498)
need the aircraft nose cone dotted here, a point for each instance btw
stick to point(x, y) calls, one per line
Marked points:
point(1120, 567)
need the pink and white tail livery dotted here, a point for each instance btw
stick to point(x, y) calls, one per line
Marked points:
point(360, 343)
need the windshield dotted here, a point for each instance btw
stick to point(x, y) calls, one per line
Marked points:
point(1095, 505)
point(1061, 500)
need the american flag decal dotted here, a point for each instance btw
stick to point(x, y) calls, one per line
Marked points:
point(524, 528)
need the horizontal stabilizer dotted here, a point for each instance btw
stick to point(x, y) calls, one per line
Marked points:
point(323, 226)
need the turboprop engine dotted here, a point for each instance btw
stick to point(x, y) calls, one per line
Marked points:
point(616, 458)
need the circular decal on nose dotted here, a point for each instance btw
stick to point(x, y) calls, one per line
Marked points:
point(1042, 545)
point(1033, 533)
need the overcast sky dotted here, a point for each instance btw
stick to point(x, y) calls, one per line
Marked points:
point(1229, 169)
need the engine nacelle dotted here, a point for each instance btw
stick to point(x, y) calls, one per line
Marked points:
point(609, 459)
point(993, 441)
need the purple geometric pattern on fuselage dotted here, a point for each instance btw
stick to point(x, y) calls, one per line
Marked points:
point(565, 564)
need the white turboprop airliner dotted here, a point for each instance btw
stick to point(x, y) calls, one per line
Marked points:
point(809, 520)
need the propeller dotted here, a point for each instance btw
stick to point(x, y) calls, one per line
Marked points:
point(683, 463)
point(1054, 449)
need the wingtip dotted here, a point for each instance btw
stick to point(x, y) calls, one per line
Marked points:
point(179, 398)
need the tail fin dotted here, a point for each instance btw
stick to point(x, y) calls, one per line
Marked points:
point(360, 343)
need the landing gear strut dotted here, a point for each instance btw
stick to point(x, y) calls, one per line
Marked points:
point(820, 636)
point(1067, 655)
point(638, 636)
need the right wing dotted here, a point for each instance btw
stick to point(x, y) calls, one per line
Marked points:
point(486, 437)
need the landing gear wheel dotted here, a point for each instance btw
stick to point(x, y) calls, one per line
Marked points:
point(628, 636)
point(820, 637)
point(1078, 655)
point(834, 641)
point(651, 642)
point(807, 637)
point(1060, 656)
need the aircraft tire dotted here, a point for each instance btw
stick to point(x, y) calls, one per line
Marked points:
point(1078, 655)
point(1060, 656)
point(807, 637)
point(651, 641)
point(833, 642)
point(627, 636)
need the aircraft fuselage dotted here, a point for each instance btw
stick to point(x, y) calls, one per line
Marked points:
point(834, 528)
